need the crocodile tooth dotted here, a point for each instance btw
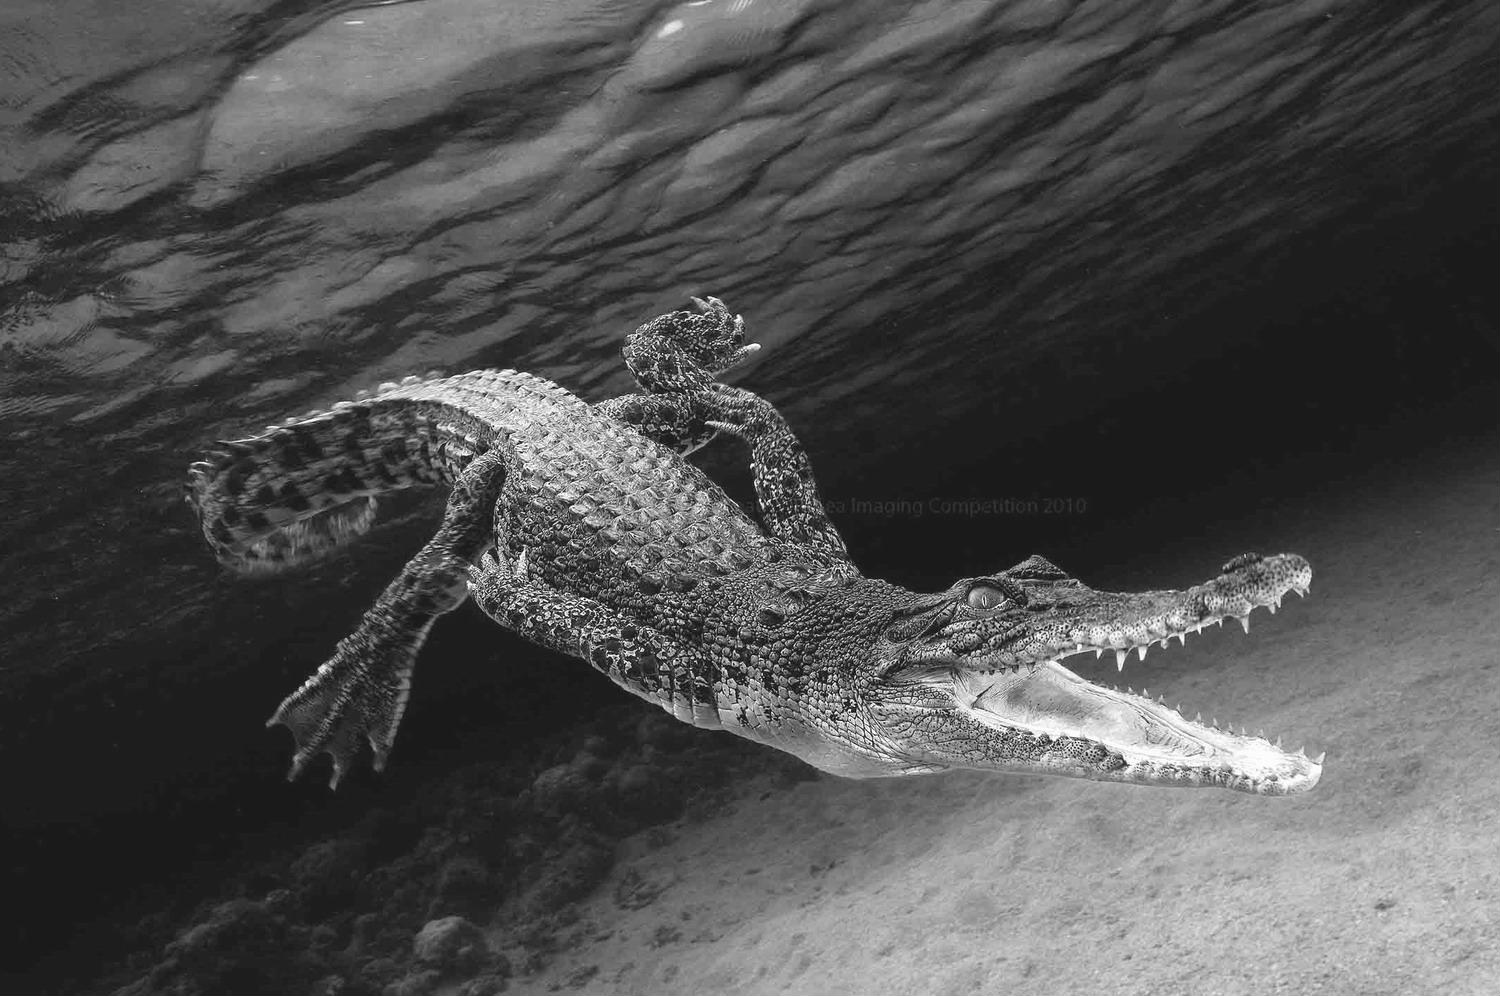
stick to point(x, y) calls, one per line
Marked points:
point(1120, 659)
point(1278, 741)
point(1098, 652)
point(1199, 720)
point(1274, 606)
point(1181, 639)
point(1164, 641)
point(1142, 651)
point(1245, 622)
point(1319, 758)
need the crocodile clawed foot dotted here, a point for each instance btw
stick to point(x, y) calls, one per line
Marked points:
point(686, 349)
point(358, 694)
point(491, 563)
point(728, 349)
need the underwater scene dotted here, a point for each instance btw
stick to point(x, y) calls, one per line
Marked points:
point(749, 497)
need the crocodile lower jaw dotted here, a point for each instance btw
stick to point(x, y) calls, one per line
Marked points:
point(1149, 742)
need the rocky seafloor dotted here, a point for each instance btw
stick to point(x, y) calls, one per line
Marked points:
point(468, 883)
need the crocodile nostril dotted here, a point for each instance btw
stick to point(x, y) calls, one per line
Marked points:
point(770, 617)
point(1243, 560)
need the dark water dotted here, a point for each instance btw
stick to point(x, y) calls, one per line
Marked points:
point(1126, 256)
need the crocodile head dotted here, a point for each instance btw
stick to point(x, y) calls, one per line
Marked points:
point(969, 678)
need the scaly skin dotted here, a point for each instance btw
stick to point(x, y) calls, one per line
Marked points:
point(582, 528)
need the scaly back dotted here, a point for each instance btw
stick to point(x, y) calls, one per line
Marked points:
point(583, 490)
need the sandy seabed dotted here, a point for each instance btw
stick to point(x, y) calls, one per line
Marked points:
point(1384, 879)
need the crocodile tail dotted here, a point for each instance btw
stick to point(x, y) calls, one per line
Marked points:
point(301, 489)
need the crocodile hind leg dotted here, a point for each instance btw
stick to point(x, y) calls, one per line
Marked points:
point(360, 692)
point(683, 352)
point(676, 357)
point(639, 659)
point(785, 487)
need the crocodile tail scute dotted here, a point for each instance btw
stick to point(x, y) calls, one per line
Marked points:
point(304, 488)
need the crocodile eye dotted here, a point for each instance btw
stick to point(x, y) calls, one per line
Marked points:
point(995, 594)
point(983, 596)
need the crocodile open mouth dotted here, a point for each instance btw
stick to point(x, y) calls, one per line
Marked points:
point(1147, 740)
point(1015, 684)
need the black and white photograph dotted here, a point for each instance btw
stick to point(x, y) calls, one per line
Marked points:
point(750, 497)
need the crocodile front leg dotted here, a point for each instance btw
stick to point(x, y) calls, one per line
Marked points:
point(639, 659)
point(676, 357)
point(785, 487)
point(361, 691)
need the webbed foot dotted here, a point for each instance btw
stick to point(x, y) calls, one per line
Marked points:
point(358, 694)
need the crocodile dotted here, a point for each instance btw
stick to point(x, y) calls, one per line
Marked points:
point(582, 528)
